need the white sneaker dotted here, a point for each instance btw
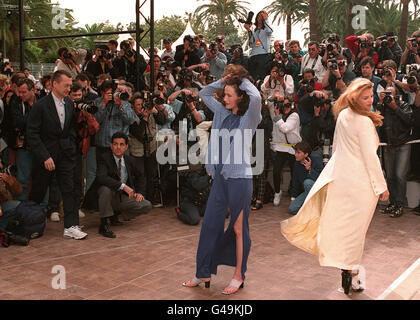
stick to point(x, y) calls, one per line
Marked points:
point(81, 214)
point(55, 216)
point(277, 197)
point(74, 232)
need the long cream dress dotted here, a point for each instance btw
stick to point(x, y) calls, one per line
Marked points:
point(334, 219)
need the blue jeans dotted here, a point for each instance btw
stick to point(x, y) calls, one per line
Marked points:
point(396, 168)
point(8, 209)
point(298, 202)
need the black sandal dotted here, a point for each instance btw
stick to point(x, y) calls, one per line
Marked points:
point(257, 206)
point(397, 212)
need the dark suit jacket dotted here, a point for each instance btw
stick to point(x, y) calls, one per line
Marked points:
point(193, 57)
point(107, 174)
point(44, 134)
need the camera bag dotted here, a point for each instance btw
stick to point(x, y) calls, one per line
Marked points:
point(30, 220)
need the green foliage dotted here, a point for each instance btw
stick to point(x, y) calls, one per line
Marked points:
point(89, 42)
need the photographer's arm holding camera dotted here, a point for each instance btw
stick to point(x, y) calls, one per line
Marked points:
point(217, 61)
point(410, 54)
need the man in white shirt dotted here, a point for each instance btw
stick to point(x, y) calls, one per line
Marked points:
point(313, 60)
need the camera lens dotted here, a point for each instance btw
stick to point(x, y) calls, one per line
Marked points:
point(411, 80)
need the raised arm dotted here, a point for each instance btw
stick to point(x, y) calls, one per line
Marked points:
point(206, 94)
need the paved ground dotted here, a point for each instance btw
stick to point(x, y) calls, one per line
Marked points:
point(153, 254)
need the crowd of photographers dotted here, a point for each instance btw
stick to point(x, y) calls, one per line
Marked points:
point(298, 88)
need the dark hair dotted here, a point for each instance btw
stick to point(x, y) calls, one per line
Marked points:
point(136, 95)
point(113, 42)
point(76, 86)
point(15, 78)
point(56, 76)
point(304, 147)
point(367, 60)
point(45, 78)
point(62, 50)
point(311, 43)
point(26, 68)
point(107, 84)
point(243, 105)
point(119, 135)
point(389, 64)
point(188, 38)
point(29, 83)
point(309, 70)
point(82, 77)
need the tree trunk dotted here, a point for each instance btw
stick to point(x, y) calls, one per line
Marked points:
point(14, 47)
point(404, 23)
point(289, 27)
point(349, 27)
point(314, 27)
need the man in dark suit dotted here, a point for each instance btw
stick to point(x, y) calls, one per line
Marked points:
point(121, 185)
point(51, 136)
point(186, 54)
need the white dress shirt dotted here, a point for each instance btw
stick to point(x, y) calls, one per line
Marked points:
point(61, 111)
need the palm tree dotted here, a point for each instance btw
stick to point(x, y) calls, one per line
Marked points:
point(314, 23)
point(289, 11)
point(225, 11)
point(89, 42)
point(404, 21)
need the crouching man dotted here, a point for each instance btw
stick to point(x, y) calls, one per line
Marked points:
point(121, 186)
point(307, 169)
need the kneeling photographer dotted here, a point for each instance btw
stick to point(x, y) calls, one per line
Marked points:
point(142, 143)
point(396, 132)
point(9, 187)
point(337, 77)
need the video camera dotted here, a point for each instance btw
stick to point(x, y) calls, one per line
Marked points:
point(248, 19)
point(84, 105)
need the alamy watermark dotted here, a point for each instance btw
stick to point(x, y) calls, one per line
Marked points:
point(178, 149)
point(59, 281)
point(359, 20)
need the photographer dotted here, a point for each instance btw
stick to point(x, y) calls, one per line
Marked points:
point(333, 49)
point(396, 132)
point(186, 81)
point(220, 40)
point(46, 86)
point(259, 41)
point(216, 59)
point(70, 60)
point(114, 115)
point(313, 60)
point(20, 109)
point(9, 188)
point(321, 129)
point(285, 136)
point(284, 58)
point(7, 69)
point(125, 65)
point(278, 82)
point(362, 47)
point(388, 48)
point(187, 54)
point(307, 104)
point(113, 48)
point(238, 57)
point(337, 77)
point(411, 53)
point(142, 143)
point(101, 63)
point(308, 84)
point(168, 52)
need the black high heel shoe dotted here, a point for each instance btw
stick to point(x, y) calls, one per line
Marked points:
point(346, 281)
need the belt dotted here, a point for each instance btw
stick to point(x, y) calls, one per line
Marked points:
point(289, 144)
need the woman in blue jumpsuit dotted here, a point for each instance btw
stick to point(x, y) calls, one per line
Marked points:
point(228, 162)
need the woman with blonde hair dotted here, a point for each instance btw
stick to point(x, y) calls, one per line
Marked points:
point(334, 219)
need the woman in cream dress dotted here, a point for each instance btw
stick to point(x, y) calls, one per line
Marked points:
point(334, 219)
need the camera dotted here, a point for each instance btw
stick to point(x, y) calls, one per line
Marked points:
point(212, 47)
point(307, 85)
point(88, 106)
point(388, 97)
point(387, 73)
point(124, 96)
point(414, 42)
point(284, 54)
point(363, 44)
point(10, 170)
point(105, 55)
point(334, 64)
point(248, 19)
point(331, 47)
point(319, 102)
point(187, 98)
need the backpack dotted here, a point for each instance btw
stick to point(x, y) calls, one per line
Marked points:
point(30, 220)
